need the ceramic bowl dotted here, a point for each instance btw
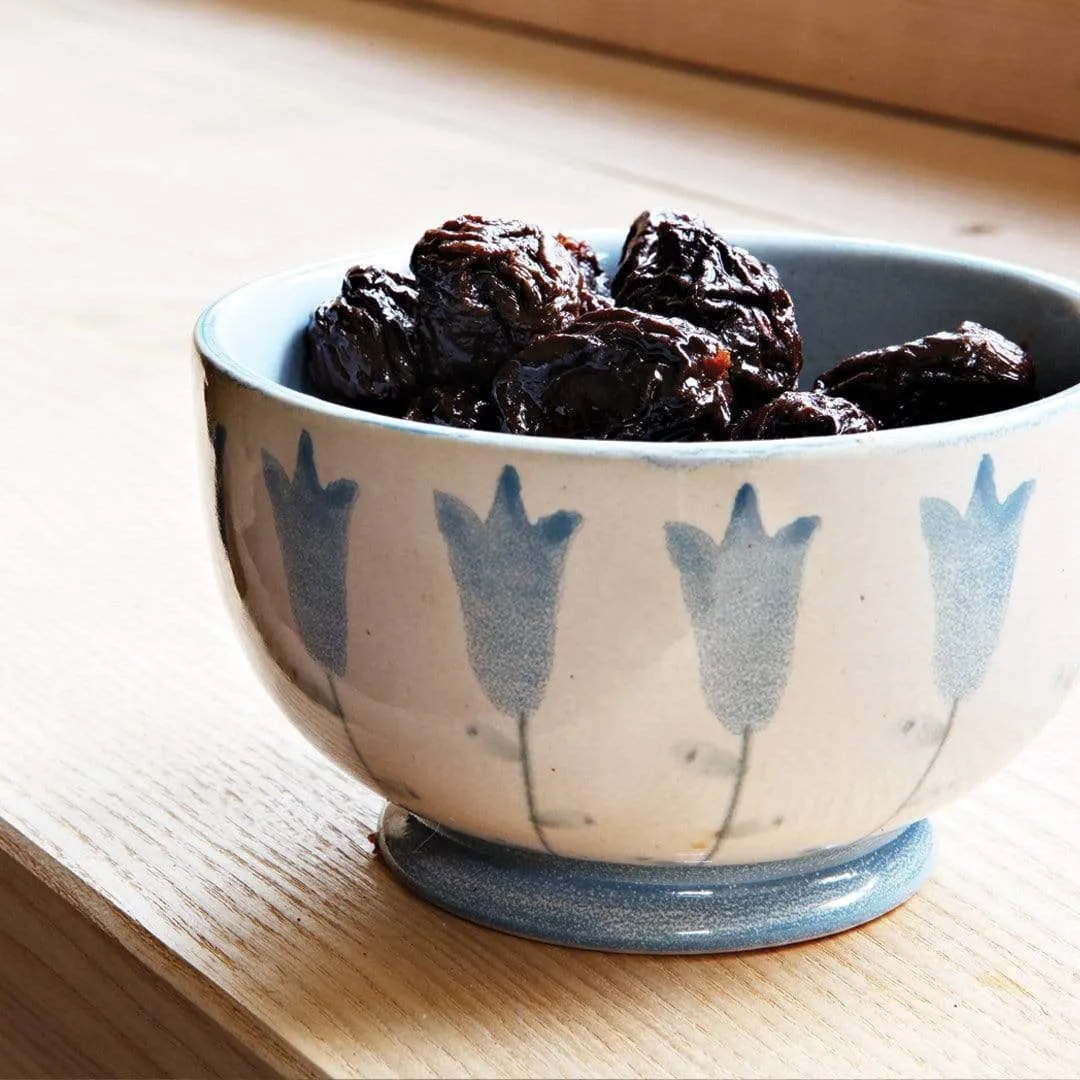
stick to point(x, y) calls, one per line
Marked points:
point(653, 696)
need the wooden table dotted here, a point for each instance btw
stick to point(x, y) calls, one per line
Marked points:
point(186, 887)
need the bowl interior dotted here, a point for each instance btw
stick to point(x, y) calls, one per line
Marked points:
point(849, 296)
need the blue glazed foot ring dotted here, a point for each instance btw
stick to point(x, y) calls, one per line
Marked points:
point(662, 908)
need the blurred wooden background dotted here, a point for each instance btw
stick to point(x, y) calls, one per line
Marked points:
point(1012, 64)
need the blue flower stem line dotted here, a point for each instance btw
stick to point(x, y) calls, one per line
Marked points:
point(338, 711)
point(393, 787)
point(921, 782)
point(527, 781)
point(733, 802)
point(340, 714)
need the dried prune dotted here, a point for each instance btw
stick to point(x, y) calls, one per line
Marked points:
point(618, 374)
point(488, 288)
point(463, 407)
point(674, 264)
point(506, 327)
point(948, 376)
point(797, 414)
point(362, 347)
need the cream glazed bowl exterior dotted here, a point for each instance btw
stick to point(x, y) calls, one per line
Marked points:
point(661, 653)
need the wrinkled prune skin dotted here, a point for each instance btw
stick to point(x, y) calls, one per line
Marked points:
point(362, 347)
point(619, 374)
point(946, 376)
point(596, 282)
point(487, 289)
point(674, 264)
point(463, 407)
point(800, 414)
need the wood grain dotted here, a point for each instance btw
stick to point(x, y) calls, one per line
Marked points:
point(154, 154)
point(998, 62)
point(75, 1002)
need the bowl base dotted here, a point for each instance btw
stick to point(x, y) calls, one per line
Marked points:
point(659, 908)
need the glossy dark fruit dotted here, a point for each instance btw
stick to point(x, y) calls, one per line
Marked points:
point(463, 407)
point(619, 374)
point(362, 347)
point(948, 376)
point(674, 264)
point(799, 414)
point(596, 282)
point(488, 288)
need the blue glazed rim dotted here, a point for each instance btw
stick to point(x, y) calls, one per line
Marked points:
point(953, 432)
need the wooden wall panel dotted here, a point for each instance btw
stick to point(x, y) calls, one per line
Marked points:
point(1008, 63)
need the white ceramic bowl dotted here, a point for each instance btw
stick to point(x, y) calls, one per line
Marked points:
point(659, 652)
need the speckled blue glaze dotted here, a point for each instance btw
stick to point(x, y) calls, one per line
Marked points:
point(972, 559)
point(657, 908)
point(312, 522)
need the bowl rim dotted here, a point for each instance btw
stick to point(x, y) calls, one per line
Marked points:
point(976, 428)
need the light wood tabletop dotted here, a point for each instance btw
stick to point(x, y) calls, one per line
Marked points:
point(186, 886)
